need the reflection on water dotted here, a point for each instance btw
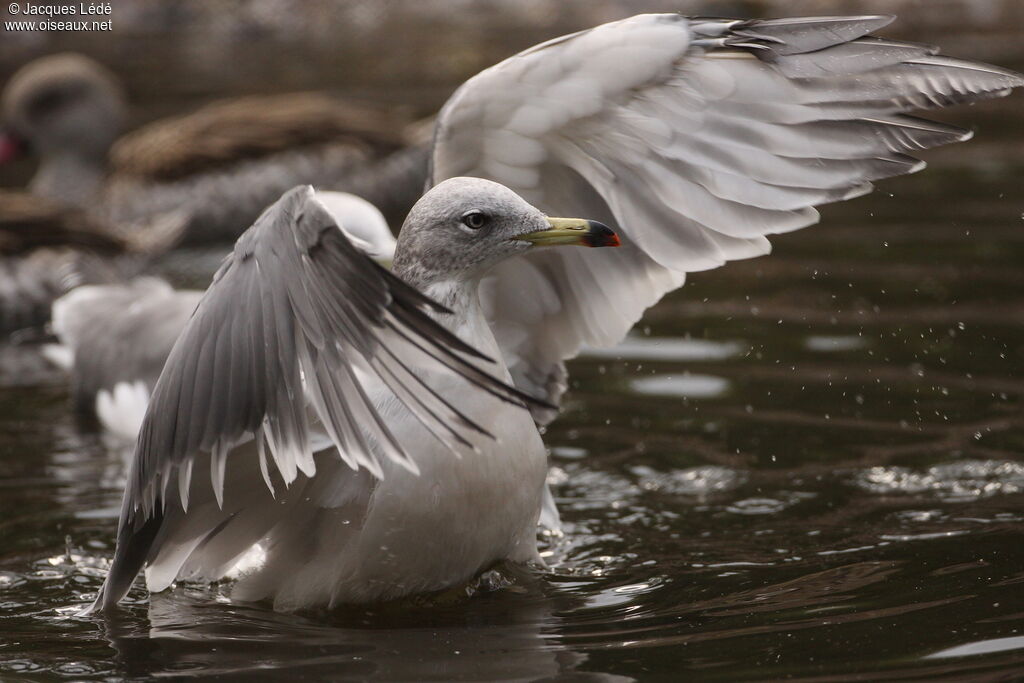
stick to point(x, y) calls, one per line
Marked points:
point(823, 343)
point(981, 648)
point(658, 348)
point(687, 385)
point(186, 636)
point(957, 481)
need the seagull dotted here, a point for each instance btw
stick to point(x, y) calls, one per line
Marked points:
point(376, 433)
point(115, 338)
point(212, 170)
point(48, 248)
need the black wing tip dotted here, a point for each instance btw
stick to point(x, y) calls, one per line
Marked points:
point(411, 318)
point(129, 557)
point(408, 296)
point(105, 602)
point(538, 402)
point(516, 396)
point(93, 608)
point(107, 598)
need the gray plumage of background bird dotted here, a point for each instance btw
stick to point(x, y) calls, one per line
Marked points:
point(201, 177)
point(213, 170)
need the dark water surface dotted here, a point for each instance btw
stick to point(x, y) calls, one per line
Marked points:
point(809, 465)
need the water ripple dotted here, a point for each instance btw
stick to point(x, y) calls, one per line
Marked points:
point(958, 481)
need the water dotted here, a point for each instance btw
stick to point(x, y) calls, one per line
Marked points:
point(809, 465)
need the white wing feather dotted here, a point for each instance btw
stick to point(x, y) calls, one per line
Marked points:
point(693, 138)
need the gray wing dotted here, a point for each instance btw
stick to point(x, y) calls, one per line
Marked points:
point(269, 355)
point(119, 333)
point(694, 139)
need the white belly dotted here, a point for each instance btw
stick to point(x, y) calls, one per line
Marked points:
point(420, 532)
point(457, 517)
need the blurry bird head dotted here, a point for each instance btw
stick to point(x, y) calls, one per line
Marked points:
point(61, 104)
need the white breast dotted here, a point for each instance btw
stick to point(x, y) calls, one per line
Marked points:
point(435, 529)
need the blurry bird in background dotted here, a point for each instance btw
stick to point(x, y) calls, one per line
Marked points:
point(315, 404)
point(197, 178)
point(47, 249)
point(215, 168)
point(115, 338)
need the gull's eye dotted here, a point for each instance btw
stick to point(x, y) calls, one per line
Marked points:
point(475, 219)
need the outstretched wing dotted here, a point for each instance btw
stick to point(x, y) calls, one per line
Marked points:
point(694, 139)
point(269, 363)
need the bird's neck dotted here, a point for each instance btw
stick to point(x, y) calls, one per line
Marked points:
point(69, 178)
point(462, 297)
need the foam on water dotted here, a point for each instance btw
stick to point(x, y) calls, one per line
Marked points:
point(962, 480)
point(693, 481)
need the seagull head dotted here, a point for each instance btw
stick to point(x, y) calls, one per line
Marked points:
point(463, 227)
point(64, 103)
